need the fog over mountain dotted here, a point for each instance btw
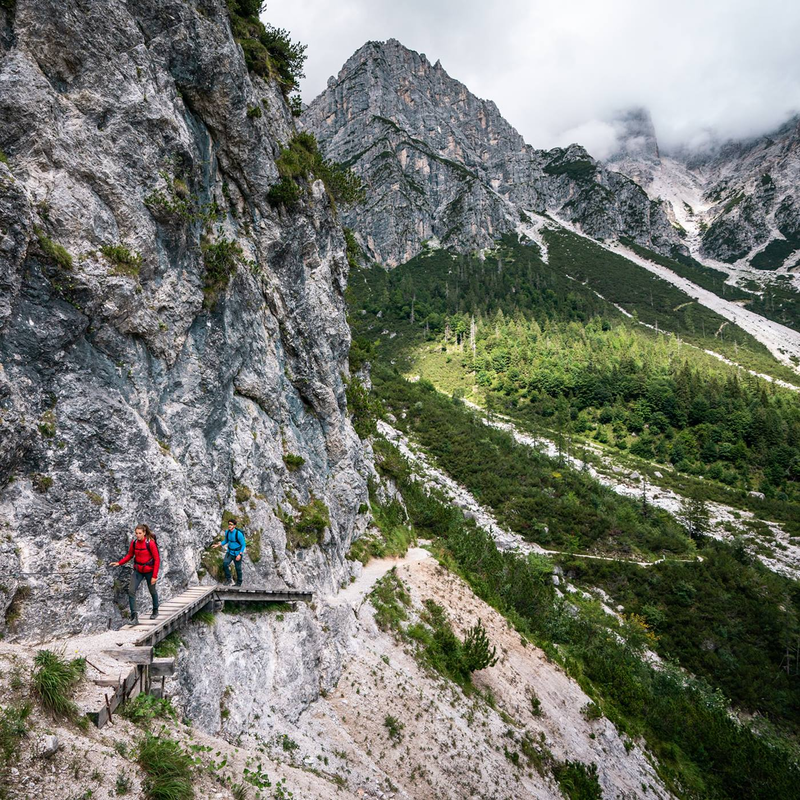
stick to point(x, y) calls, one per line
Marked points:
point(561, 74)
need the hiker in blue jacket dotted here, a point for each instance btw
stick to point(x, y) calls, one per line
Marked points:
point(234, 542)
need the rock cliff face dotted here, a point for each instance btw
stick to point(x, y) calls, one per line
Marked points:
point(442, 164)
point(166, 337)
point(737, 203)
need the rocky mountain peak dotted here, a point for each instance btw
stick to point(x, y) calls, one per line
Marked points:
point(441, 163)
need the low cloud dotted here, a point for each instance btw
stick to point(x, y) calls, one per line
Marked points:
point(706, 71)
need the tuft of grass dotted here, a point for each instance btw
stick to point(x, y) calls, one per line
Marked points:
point(54, 679)
point(394, 728)
point(168, 648)
point(168, 767)
point(124, 261)
point(293, 462)
point(53, 252)
point(204, 617)
point(13, 726)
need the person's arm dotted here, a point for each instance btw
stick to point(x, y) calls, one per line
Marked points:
point(156, 560)
point(125, 559)
point(224, 541)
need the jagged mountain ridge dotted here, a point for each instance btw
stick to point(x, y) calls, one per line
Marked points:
point(738, 202)
point(440, 163)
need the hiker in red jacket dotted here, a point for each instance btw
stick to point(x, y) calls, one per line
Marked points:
point(144, 552)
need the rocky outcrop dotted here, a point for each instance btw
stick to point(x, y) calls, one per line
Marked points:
point(735, 201)
point(443, 164)
point(166, 336)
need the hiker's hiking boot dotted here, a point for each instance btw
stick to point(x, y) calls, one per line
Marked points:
point(154, 614)
point(135, 619)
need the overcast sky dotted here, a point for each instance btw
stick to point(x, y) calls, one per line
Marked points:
point(559, 69)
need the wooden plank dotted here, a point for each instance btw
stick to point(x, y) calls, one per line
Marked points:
point(133, 655)
point(161, 667)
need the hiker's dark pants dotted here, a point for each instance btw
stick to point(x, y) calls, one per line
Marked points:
point(226, 563)
point(136, 578)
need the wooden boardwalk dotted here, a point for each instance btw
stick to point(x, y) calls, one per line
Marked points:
point(177, 611)
point(138, 648)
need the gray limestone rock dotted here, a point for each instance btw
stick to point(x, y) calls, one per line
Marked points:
point(147, 391)
point(441, 164)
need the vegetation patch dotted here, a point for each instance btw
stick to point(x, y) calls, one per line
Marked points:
point(144, 708)
point(13, 727)
point(54, 680)
point(178, 203)
point(220, 259)
point(301, 160)
point(293, 462)
point(774, 254)
point(390, 534)
point(306, 527)
point(169, 769)
point(169, 647)
point(124, 261)
point(578, 781)
point(53, 252)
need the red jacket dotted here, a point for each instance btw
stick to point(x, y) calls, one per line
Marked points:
point(145, 556)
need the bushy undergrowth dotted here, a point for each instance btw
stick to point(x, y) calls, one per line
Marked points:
point(54, 679)
point(144, 708)
point(300, 160)
point(391, 535)
point(703, 750)
point(306, 527)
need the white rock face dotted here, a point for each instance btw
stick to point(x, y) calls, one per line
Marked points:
point(130, 395)
point(732, 201)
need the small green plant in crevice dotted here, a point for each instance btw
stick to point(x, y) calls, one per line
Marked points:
point(352, 248)
point(307, 526)
point(232, 607)
point(243, 493)
point(578, 781)
point(536, 703)
point(3, 156)
point(54, 680)
point(390, 599)
point(178, 203)
point(55, 253)
point(169, 769)
point(13, 726)
point(224, 711)
point(124, 261)
point(144, 708)
point(239, 792)
point(47, 424)
point(394, 728)
point(293, 462)
point(287, 743)
point(168, 648)
point(122, 785)
point(591, 711)
point(211, 564)
point(254, 112)
point(14, 609)
point(41, 483)
point(95, 498)
point(221, 259)
point(254, 545)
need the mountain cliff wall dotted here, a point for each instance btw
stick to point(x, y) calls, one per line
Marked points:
point(166, 337)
